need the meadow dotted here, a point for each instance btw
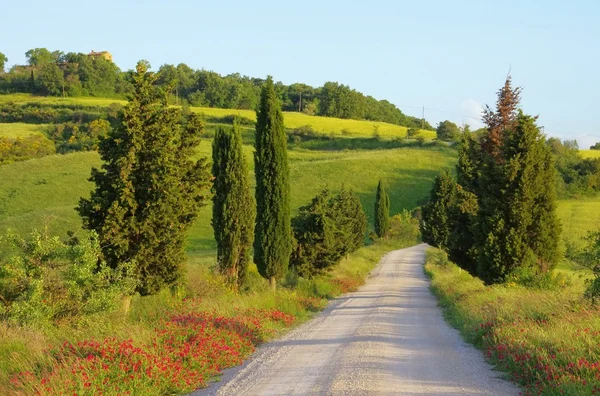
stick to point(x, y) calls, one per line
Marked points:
point(323, 125)
point(20, 130)
point(590, 153)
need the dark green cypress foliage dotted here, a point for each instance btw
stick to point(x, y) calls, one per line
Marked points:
point(318, 246)
point(351, 219)
point(148, 191)
point(436, 215)
point(234, 210)
point(273, 235)
point(382, 211)
point(518, 227)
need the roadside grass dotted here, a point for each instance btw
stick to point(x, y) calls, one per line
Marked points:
point(20, 130)
point(173, 342)
point(546, 340)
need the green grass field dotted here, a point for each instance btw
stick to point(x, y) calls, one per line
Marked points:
point(590, 153)
point(20, 130)
point(44, 192)
point(324, 125)
point(578, 217)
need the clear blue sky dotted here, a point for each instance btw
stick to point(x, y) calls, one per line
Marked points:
point(450, 56)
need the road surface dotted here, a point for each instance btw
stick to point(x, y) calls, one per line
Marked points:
point(387, 338)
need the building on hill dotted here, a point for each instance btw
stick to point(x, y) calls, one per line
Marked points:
point(101, 54)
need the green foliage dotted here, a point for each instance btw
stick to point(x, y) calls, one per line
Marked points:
point(595, 146)
point(3, 60)
point(437, 257)
point(234, 210)
point(517, 223)
point(51, 79)
point(24, 148)
point(437, 214)
point(326, 230)
point(44, 281)
point(577, 175)
point(273, 242)
point(382, 211)
point(447, 130)
point(148, 191)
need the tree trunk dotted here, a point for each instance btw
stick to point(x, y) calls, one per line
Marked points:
point(273, 283)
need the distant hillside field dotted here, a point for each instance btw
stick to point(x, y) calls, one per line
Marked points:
point(20, 130)
point(590, 153)
point(324, 125)
point(44, 192)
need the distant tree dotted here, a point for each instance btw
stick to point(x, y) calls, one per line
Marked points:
point(351, 219)
point(447, 130)
point(51, 79)
point(41, 56)
point(3, 60)
point(382, 211)
point(234, 210)
point(437, 215)
point(149, 190)
point(412, 132)
point(273, 239)
point(596, 146)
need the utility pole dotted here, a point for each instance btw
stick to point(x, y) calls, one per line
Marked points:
point(423, 119)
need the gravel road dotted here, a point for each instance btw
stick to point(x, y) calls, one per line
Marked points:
point(387, 338)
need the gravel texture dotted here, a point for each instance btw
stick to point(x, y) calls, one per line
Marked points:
point(387, 338)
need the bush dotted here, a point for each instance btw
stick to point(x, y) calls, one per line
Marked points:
point(21, 149)
point(326, 230)
point(46, 281)
point(437, 257)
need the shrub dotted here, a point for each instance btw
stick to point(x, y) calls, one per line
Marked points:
point(21, 149)
point(46, 281)
point(437, 257)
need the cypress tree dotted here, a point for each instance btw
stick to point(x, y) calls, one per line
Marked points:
point(273, 236)
point(234, 211)
point(382, 211)
point(436, 219)
point(518, 228)
point(148, 191)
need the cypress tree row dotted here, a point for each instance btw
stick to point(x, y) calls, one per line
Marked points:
point(148, 191)
point(234, 211)
point(382, 211)
point(273, 235)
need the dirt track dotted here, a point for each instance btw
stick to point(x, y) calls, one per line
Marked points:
point(387, 338)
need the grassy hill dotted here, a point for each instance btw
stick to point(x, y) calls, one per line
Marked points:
point(323, 125)
point(44, 192)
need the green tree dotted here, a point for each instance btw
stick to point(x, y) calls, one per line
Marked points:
point(51, 79)
point(3, 60)
point(41, 56)
point(436, 220)
point(273, 235)
point(595, 146)
point(382, 211)
point(447, 130)
point(351, 219)
point(148, 191)
point(518, 229)
point(234, 210)
point(317, 234)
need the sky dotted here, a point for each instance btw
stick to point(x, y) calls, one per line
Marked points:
point(449, 56)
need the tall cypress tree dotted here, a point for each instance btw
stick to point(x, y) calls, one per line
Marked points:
point(149, 190)
point(273, 235)
point(382, 211)
point(234, 211)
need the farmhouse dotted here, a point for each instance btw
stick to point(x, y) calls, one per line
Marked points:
point(102, 54)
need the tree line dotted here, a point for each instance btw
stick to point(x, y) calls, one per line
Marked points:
point(56, 73)
point(149, 190)
point(497, 217)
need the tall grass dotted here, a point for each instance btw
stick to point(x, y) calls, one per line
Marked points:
point(20, 130)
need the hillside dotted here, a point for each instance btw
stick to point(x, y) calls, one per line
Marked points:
point(323, 125)
point(44, 192)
